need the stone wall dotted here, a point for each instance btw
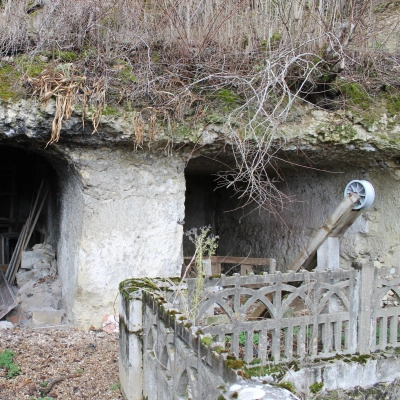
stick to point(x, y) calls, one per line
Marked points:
point(125, 222)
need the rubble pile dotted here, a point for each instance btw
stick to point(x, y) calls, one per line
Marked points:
point(38, 289)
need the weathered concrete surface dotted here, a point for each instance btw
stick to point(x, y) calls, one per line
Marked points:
point(346, 375)
point(254, 391)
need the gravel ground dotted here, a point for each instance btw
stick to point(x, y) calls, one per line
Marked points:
point(65, 364)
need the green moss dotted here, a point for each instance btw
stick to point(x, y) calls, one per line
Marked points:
point(155, 57)
point(8, 76)
point(360, 358)
point(206, 341)
point(227, 96)
point(275, 39)
point(67, 56)
point(294, 365)
point(234, 364)
point(220, 350)
point(393, 104)
point(215, 119)
point(127, 75)
point(277, 371)
point(31, 66)
point(182, 130)
point(356, 95)
point(288, 386)
point(110, 111)
point(338, 133)
point(316, 387)
point(132, 285)
point(345, 132)
point(220, 397)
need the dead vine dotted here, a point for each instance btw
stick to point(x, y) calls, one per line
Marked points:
point(64, 84)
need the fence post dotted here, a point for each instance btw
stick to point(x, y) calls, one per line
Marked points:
point(328, 255)
point(366, 289)
point(130, 346)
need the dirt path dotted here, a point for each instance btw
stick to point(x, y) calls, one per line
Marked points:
point(63, 365)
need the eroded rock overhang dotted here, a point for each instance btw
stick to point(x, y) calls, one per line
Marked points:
point(122, 206)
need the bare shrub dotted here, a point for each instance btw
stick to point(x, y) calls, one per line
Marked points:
point(261, 55)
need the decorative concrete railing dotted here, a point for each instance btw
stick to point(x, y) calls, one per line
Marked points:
point(308, 314)
point(168, 354)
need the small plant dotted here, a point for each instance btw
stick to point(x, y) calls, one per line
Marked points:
point(43, 384)
point(316, 387)
point(242, 338)
point(115, 386)
point(6, 361)
point(205, 245)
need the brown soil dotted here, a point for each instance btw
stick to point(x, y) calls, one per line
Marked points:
point(72, 364)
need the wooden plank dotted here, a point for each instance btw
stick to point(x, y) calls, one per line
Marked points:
point(245, 263)
point(26, 233)
point(241, 260)
point(335, 226)
point(10, 268)
point(7, 298)
point(26, 238)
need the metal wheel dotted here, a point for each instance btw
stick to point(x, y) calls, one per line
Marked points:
point(365, 190)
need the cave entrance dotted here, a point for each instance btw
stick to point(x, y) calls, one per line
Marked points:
point(222, 210)
point(203, 202)
point(29, 227)
point(21, 175)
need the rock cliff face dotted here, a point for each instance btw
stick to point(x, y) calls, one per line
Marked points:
point(119, 209)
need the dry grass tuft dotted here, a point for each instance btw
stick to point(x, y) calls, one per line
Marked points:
point(138, 127)
point(63, 83)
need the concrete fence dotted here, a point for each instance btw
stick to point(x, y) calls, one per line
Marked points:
point(176, 344)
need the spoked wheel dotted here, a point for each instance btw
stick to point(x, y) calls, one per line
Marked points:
point(365, 190)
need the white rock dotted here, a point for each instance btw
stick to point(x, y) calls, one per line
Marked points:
point(251, 394)
point(6, 325)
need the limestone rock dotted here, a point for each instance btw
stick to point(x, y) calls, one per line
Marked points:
point(47, 316)
point(39, 286)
